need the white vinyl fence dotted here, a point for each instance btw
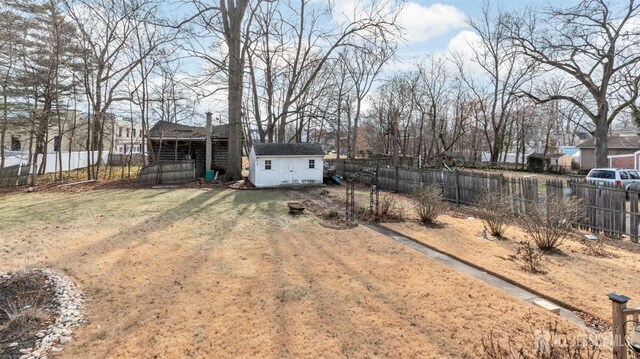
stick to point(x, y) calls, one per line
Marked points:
point(70, 161)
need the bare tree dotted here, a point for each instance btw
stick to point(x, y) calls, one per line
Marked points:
point(108, 29)
point(10, 28)
point(594, 46)
point(502, 73)
point(223, 23)
point(364, 67)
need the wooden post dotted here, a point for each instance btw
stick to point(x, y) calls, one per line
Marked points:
point(208, 150)
point(618, 304)
point(397, 178)
point(633, 200)
point(457, 188)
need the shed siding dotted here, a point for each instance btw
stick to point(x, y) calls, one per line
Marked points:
point(285, 171)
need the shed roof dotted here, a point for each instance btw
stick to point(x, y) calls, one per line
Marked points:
point(169, 130)
point(538, 155)
point(288, 149)
point(617, 142)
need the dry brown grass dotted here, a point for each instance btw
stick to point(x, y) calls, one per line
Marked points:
point(550, 343)
point(575, 276)
point(229, 274)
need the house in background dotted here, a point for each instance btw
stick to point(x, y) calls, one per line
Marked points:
point(128, 137)
point(172, 142)
point(286, 164)
point(554, 162)
point(620, 147)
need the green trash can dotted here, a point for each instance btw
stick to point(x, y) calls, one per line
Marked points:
point(209, 175)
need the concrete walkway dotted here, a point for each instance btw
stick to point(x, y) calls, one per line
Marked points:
point(503, 285)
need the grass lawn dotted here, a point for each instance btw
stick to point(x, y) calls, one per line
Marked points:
point(573, 277)
point(229, 274)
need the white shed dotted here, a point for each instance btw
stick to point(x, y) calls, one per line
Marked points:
point(285, 164)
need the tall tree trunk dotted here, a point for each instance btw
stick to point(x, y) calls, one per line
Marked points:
point(236, 71)
point(602, 143)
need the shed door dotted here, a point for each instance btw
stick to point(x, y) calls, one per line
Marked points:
point(290, 170)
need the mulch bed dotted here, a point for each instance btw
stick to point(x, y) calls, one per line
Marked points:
point(594, 323)
point(331, 215)
point(27, 307)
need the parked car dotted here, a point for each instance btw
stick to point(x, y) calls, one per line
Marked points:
point(618, 177)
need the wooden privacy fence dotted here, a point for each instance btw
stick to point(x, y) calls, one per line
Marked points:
point(460, 187)
point(604, 209)
point(12, 176)
point(168, 172)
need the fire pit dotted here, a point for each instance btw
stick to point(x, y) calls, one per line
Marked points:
point(295, 207)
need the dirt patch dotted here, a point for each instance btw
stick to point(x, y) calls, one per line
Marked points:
point(242, 185)
point(27, 308)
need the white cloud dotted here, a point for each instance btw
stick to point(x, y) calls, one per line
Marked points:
point(419, 22)
point(464, 42)
point(422, 23)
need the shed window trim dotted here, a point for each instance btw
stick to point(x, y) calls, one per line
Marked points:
point(267, 165)
point(312, 164)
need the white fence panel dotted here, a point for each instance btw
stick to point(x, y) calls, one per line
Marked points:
point(70, 161)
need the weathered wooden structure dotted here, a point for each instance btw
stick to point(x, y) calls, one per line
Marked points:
point(14, 175)
point(174, 172)
point(172, 142)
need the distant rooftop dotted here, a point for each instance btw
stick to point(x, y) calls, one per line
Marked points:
point(615, 142)
point(169, 130)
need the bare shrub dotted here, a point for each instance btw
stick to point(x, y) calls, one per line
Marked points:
point(388, 208)
point(494, 209)
point(549, 222)
point(530, 257)
point(547, 344)
point(596, 248)
point(332, 214)
point(428, 203)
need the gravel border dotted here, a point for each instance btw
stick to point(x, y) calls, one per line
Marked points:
point(69, 301)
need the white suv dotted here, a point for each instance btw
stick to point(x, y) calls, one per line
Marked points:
point(618, 177)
